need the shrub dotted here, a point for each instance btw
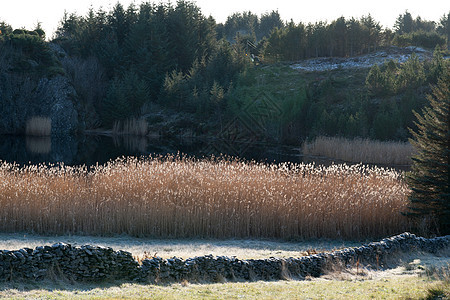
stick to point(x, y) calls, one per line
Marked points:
point(419, 38)
point(35, 48)
point(375, 80)
point(412, 73)
point(5, 29)
point(19, 31)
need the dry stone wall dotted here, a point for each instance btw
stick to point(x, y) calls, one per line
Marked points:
point(92, 263)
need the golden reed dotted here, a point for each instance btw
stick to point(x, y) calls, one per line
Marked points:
point(175, 196)
point(361, 150)
point(38, 126)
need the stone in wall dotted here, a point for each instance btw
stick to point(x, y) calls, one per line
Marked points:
point(92, 263)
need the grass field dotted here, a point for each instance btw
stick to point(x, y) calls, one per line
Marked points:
point(180, 197)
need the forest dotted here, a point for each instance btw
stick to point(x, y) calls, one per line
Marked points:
point(156, 61)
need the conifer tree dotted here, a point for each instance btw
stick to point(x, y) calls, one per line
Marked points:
point(429, 178)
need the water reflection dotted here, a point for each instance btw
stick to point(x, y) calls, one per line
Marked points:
point(38, 144)
point(24, 150)
point(93, 149)
point(131, 143)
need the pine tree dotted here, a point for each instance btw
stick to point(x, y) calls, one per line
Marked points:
point(429, 178)
point(444, 27)
point(404, 23)
point(375, 80)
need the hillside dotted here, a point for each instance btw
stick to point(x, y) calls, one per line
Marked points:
point(367, 96)
point(179, 73)
point(401, 55)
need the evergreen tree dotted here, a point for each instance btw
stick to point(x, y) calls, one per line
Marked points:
point(430, 175)
point(5, 28)
point(267, 23)
point(375, 80)
point(424, 25)
point(273, 47)
point(354, 36)
point(294, 41)
point(412, 73)
point(404, 23)
point(244, 23)
point(119, 23)
point(317, 39)
point(444, 27)
point(339, 36)
point(371, 32)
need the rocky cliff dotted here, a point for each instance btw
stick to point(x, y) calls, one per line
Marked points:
point(29, 88)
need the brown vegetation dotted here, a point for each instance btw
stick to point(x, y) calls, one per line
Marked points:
point(137, 127)
point(39, 144)
point(216, 198)
point(360, 150)
point(38, 126)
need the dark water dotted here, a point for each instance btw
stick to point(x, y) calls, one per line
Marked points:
point(92, 149)
point(98, 149)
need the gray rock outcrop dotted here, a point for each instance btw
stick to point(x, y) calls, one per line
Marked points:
point(35, 91)
point(56, 96)
point(52, 98)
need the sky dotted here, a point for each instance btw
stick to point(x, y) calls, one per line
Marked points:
point(26, 13)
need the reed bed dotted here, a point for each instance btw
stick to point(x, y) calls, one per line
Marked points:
point(181, 197)
point(38, 126)
point(361, 150)
point(136, 127)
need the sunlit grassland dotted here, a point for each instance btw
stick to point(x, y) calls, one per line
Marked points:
point(400, 287)
point(211, 198)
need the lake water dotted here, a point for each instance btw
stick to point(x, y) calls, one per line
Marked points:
point(92, 149)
